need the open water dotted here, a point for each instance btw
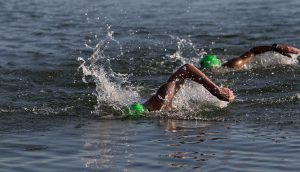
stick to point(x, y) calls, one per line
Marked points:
point(67, 67)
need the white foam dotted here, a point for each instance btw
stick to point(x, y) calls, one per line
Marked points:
point(185, 45)
point(193, 95)
point(111, 88)
point(271, 58)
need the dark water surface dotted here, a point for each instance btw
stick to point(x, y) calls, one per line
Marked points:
point(46, 110)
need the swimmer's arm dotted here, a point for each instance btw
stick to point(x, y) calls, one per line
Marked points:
point(163, 98)
point(285, 50)
point(239, 62)
point(189, 71)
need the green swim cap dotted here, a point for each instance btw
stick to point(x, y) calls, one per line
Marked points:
point(210, 61)
point(134, 111)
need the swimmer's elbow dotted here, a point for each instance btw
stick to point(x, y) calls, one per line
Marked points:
point(188, 65)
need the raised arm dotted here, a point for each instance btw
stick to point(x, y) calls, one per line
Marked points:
point(189, 71)
point(240, 62)
point(163, 98)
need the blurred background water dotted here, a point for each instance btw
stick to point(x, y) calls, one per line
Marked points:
point(51, 120)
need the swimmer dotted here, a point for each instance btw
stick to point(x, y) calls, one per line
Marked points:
point(244, 59)
point(163, 99)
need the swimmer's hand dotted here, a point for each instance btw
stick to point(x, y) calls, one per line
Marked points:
point(287, 50)
point(225, 94)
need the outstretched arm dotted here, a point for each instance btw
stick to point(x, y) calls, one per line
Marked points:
point(189, 71)
point(239, 62)
point(164, 96)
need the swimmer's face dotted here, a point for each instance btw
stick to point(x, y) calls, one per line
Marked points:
point(210, 61)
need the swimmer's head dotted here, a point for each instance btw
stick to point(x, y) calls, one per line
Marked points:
point(137, 108)
point(134, 111)
point(210, 61)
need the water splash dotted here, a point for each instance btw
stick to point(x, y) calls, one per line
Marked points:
point(193, 101)
point(193, 95)
point(186, 46)
point(112, 89)
point(271, 58)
